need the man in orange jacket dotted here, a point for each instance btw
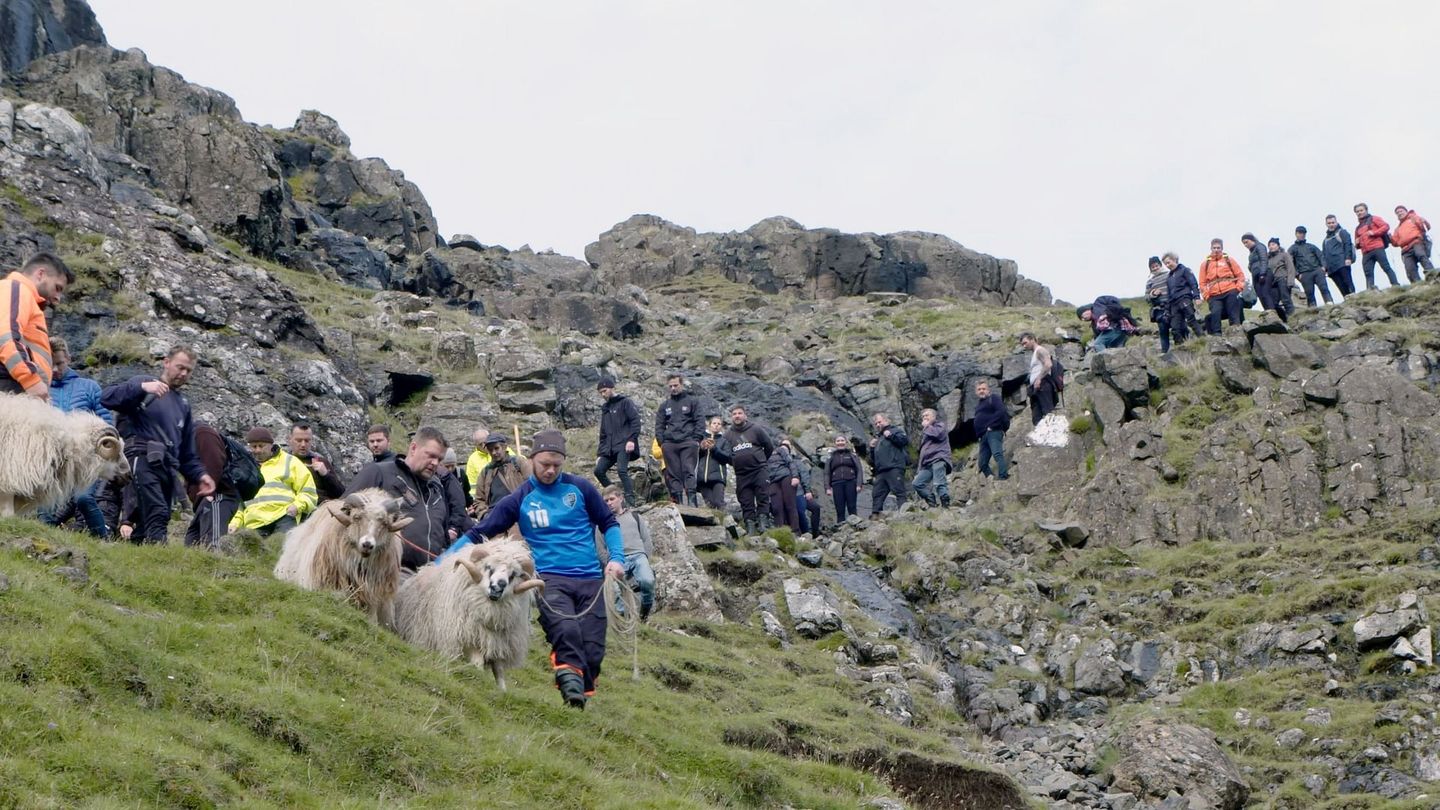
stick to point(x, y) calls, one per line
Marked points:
point(1221, 282)
point(1414, 242)
point(1372, 236)
point(24, 337)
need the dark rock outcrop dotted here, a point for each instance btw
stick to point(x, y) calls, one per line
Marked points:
point(778, 253)
point(30, 29)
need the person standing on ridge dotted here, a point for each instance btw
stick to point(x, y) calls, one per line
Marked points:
point(1339, 255)
point(1157, 292)
point(1040, 382)
point(1183, 292)
point(844, 475)
point(1372, 236)
point(1411, 237)
point(1282, 273)
point(1221, 281)
point(715, 456)
point(992, 419)
point(679, 429)
point(1310, 267)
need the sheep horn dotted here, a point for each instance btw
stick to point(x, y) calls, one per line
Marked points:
point(341, 515)
point(109, 447)
point(399, 523)
point(461, 562)
point(478, 552)
point(533, 584)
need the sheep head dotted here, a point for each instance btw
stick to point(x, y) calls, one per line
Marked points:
point(110, 449)
point(369, 521)
point(500, 570)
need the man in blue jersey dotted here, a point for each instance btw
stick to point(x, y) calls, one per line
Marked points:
point(558, 514)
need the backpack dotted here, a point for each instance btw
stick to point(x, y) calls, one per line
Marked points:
point(241, 471)
point(1057, 373)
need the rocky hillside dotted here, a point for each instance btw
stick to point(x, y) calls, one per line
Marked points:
point(1211, 590)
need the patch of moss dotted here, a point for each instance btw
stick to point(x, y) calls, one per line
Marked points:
point(117, 347)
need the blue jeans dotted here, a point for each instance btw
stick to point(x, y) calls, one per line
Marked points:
point(641, 578)
point(938, 473)
point(992, 445)
point(1111, 339)
point(89, 509)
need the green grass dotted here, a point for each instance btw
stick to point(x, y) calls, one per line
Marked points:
point(178, 678)
point(117, 347)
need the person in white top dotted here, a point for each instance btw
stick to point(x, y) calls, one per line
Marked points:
point(1042, 387)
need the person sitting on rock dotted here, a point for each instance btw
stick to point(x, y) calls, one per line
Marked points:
point(639, 573)
point(1109, 320)
point(932, 482)
point(287, 495)
point(710, 473)
point(992, 419)
point(844, 475)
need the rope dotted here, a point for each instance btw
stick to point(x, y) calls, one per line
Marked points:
point(627, 626)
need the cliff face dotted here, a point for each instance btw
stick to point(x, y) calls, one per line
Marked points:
point(30, 29)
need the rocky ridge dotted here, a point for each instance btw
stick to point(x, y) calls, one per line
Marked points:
point(1230, 562)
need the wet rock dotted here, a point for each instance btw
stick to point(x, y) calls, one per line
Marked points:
point(811, 609)
point(1158, 757)
point(1390, 620)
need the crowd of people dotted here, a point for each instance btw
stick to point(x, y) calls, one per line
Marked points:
point(503, 490)
point(1275, 274)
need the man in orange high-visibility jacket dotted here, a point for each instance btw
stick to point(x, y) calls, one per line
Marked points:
point(24, 335)
point(1221, 282)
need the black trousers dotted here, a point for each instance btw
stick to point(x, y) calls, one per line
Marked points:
point(1344, 281)
point(576, 644)
point(681, 458)
point(782, 504)
point(713, 492)
point(1315, 280)
point(621, 462)
point(1042, 400)
point(1368, 262)
point(844, 493)
point(154, 485)
point(753, 492)
point(211, 521)
point(890, 482)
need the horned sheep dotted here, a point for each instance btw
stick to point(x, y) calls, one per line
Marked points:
point(349, 546)
point(47, 456)
point(475, 604)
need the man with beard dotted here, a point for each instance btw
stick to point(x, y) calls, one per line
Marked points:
point(750, 449)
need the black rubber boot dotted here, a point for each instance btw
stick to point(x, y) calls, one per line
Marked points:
point(572, 688)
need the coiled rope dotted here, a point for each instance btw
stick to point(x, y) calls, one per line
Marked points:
point(626, 626)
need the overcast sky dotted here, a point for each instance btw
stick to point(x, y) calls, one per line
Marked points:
point(1077, 138)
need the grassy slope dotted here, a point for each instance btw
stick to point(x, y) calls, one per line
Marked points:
point(177, 678)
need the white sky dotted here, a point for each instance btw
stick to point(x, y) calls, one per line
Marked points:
point(1077, 138)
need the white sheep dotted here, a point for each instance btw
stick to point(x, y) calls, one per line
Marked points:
point(349, 546)
point(473, 605)
point(48, 456)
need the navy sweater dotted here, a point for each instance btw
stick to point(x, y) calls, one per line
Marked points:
point(166, 420)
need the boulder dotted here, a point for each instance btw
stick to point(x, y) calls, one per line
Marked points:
point(1235, 374)
point(1073, 535)
point(1390, 620)
point(1126, 372)
point(318, 125)
point(1283, 354)
point(779, 253)
point(812, 609)
point(681, 583)
point(1158, 756)
point(1097, 672)
point(1266, 323)
point(455, 351)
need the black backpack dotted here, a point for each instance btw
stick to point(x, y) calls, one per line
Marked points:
point(241, 471)
point(1057, 373)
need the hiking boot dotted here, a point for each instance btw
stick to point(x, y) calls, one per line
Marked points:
point(945, 503)
point(645, 613)
point(572, 688)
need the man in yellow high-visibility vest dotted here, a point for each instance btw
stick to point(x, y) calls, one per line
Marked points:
point(287, 495)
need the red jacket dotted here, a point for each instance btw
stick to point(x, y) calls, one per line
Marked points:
point(1368, 234)
point(1410, 230)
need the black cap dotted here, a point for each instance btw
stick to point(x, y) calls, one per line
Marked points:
point(547, 441)
point(495, 438)
point(1300, 229)
point(1153, 261)
point(1249, 236)
point(605, 382)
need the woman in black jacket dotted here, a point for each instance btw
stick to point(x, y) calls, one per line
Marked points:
point(843, 476)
